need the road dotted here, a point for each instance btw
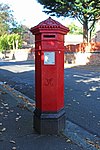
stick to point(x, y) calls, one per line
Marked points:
point(82, 91)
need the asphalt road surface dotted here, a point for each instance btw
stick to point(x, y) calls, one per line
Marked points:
point(82, 91)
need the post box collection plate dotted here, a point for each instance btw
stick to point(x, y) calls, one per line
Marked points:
point(49, 58)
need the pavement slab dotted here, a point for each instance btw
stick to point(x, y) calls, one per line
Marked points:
point(16, 126)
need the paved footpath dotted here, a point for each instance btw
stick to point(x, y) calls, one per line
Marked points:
point(17, 133)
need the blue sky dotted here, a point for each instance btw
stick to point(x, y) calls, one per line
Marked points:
point(29, 12)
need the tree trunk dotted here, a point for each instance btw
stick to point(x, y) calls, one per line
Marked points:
point(90, 35)
point(13, 45)
point(85, 31)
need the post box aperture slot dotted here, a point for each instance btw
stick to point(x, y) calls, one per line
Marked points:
point(49, 58)
point(49, 36)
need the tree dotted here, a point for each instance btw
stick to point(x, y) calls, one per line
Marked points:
point(86, 11)
point(6, 19)
point(8, 23)
point(4, 43)
point(11, 33)
point(20, 29)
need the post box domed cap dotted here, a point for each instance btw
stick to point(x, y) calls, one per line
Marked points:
point(49, 24)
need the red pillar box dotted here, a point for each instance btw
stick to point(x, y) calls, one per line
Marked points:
point(49, 115)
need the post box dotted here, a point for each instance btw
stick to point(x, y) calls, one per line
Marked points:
point(49, 114)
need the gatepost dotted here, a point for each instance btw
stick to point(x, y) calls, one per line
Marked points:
point(49, 114)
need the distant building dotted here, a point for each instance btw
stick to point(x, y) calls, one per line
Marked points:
point(28, 39)
point(76, 39)
point(73, 39)
point(96, 37)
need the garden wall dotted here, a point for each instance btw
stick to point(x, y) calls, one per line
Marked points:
point(19, 55)
point(82, 54)
point(82, 58)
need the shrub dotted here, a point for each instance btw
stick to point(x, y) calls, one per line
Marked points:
point(11, 41)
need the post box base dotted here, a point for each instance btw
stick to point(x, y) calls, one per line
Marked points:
point(49, 123)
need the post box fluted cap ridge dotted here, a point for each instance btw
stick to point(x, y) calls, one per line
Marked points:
point(49, 24)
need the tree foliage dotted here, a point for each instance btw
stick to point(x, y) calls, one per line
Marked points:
point(11, 33)
point(85, 11)
point(6, 19)
point(75, 29)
